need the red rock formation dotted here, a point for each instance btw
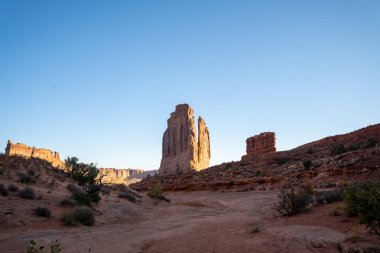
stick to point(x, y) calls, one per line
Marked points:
point(204, 152)
point(180, 149)
point(261, 144)
point(123, 176)
point(25, 151)
point(267, 169)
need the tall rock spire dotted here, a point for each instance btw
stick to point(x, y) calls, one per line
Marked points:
point(181, 151)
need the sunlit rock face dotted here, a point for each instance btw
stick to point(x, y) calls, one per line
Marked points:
point(181, 150)
point(123, 176)
point(25, 151)
point(261, 144)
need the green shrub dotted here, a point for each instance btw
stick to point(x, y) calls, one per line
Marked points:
point(31, 173)
point(68, 202)
point(68, 220)
point(307, 164)
point(33, 248)
point(308, 187)
point(281, 161)
point(337, 150)
point(27, 193)
point(329, 196)
point(157, 193)
point(128, 195)
point(42, 212)
point(79, 195)
point(353, 148)
point(84, 215)
point(292, 202)
point(371, 143)
point(3, 190)
point(12, 188)
point(74, 188)
point(367, 250)
point(363, 200)
point(87, 177)
point(26, 178)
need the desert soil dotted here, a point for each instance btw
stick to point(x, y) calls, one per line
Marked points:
point(203, 221)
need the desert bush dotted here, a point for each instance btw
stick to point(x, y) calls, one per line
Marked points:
point(367, 250)
point(105, 190)
point(87, 177)
point(281, 161)
point(337, 150)
point(3, 190)
point(68, 202)
point(308, 187)
point(363, 200)
point(74, 188)
point(42, 212)
point(157, 192)
point(292, 202)
point(27, 193)
point(307, 164)
point(84, 215)
point(338, 211)
point(371, 143)
point(33, 248)
point(26, 178)
point(68, 220)
point(12, 188)
point(31, 172)
point(128, 195)
point(329, 196)
point(353, 148)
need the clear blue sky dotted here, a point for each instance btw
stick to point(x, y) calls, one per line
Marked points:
point(98, 79)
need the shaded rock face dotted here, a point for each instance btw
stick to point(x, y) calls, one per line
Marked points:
point(181, 150)
point(123, 176)
point(261, 144)
point(25, 151)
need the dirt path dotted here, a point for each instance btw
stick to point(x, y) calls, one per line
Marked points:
point(193, 222)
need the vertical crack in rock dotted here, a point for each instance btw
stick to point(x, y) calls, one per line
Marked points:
point(181, 150)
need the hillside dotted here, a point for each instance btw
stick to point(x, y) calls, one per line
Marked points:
point(352, 156)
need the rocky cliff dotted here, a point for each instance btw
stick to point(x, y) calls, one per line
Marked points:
point(181, 151)
point(25, 151)
point(260, 144)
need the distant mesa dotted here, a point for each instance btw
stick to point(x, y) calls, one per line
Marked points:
point(124, 176)
point(181, 150)
point(25, 151)
point(260, 144)
point(110, 175)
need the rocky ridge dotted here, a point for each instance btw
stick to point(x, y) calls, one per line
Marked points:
point(347, 157)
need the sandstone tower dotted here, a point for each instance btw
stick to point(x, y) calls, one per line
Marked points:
point(181, 150)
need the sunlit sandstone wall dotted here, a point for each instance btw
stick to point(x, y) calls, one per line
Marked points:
point(25, 151)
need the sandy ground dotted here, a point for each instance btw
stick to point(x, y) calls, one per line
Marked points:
point(205, 221)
